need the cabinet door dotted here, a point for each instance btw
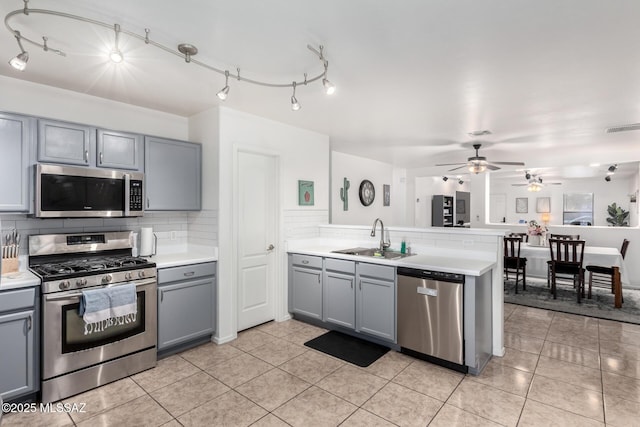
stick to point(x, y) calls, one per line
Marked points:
point(307, 291)
point(119, 150)
point(15, 138)
point(172, 174)
point(69, 143)
point(340, 299)
point(16, 354)
point(185, 311)
point(376, 306)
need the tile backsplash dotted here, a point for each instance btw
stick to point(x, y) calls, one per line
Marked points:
point(172, 228)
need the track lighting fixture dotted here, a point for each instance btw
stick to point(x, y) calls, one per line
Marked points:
point(445, 179)
point(225, 90)
point(527, 175)
point(460, 182)
point(607, 178)
point(295, 105)
point(184, 50)
point(612, 169)
point(19, 62)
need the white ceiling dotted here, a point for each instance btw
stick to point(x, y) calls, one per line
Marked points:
point(414, 76)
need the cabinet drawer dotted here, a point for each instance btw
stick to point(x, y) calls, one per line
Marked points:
point(186, 272)
point(377, 271)
point(340, 265)
point(307, 260)
point(17, 299)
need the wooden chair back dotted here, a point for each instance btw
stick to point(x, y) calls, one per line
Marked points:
point(525, 236)
point(567, 252)
point(565, 236)
point(623, 249)
point(512, 246)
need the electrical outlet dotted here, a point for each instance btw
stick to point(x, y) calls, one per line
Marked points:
point(174, 235)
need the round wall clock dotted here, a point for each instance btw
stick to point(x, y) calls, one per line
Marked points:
point(367, 192)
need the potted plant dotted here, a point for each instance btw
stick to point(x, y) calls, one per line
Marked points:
point(618, 217)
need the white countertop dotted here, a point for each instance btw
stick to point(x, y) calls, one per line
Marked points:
point(17, 280)
point(191, 255)
point(470, 267)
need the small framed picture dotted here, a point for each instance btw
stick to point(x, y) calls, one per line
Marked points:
point(305, 193)
point(522, 205)
point(543, 205)
point(386, 193)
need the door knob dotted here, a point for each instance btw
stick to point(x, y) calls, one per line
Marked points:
point(271, 247)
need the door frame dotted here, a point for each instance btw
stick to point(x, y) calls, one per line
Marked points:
point(277, 275)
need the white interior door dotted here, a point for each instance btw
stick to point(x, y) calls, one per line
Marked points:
point(257, 204)
point(497, 208)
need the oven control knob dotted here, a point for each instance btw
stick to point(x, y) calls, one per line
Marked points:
point(64, 284)
point(81, 282)
point(141, 273)
point(106, 279)
point(128, 276)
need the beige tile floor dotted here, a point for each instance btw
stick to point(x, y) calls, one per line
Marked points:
point(559, 369)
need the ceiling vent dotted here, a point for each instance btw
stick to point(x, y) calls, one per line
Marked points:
point(623, 128)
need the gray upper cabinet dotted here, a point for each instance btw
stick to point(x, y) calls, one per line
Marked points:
point(68, 143)
point(119, 150)
point(173, 176)
point(376, 301)
point(16, 133)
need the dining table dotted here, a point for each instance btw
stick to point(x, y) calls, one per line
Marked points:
point(537, 257)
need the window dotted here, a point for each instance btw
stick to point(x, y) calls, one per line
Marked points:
point(578, 209)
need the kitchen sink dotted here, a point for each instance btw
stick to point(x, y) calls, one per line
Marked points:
point(372, 252)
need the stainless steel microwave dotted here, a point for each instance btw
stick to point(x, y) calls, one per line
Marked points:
point(71, 192)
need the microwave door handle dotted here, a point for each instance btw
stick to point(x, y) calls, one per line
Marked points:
point(127, 194)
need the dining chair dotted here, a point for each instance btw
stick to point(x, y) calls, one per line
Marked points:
point(525, 236)
point(606, 276)
point(513, 262)
point(558, 236)
point(566, 259)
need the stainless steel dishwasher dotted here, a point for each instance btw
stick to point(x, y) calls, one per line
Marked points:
point(430, 316)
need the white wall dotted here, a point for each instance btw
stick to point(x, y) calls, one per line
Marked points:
point(19, 96)
point(426, 188)
point(303, 155)
point(604, 193)
point(356, 169)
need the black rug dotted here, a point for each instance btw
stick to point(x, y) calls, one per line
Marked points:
point(600, 306)
point(350, 349)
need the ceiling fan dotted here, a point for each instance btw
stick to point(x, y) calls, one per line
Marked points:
point(477, 163)
point(534, 182)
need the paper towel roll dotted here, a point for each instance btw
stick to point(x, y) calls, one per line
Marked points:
point(146, 241)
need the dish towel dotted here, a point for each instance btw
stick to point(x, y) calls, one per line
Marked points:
point(106, 307)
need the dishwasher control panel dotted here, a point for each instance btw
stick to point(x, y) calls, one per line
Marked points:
point(429, 274)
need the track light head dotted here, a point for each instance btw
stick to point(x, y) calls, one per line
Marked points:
point(460, 182)
point(115, 55)
point(295, 105)
point(19, 62)
point(445, 179)
point(329, 88)
point(527, 175)
point(607, 178)
point(222, 94)
point(612, 169)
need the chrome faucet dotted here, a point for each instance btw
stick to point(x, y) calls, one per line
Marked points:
point(383, 245)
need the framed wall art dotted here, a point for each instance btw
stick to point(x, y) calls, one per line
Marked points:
point(305, 193)
point(386, 195)
point(522, 205)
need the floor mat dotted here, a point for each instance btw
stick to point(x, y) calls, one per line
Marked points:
point(350, 349)
point(600, 306)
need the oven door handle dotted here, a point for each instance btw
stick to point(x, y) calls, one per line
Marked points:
point(56, 297)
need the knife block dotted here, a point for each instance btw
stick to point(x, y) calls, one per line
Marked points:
point(9, 265)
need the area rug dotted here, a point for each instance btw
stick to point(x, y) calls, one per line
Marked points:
point(600, 305)
point(350, 349)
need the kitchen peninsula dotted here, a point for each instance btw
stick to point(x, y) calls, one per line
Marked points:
point(475, 254)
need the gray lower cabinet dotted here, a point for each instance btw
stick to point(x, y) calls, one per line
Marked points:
point(173, 176)
point(18, 335)
point(68, 143)
point(339, 295)
point(376, 300)
point(305, 284)
point(119, 150)
point(186, 305)
point(16, 133)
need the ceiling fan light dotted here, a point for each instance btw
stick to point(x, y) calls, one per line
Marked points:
point(477, 168)
point(19, 62)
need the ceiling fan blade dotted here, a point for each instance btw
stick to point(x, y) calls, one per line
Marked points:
point(509, 163)
point(492, 167)
point(460, 167)
point(553, 183)
point(519, 185)
point(452, 164)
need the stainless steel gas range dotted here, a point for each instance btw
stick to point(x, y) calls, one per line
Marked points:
point(77, 356)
